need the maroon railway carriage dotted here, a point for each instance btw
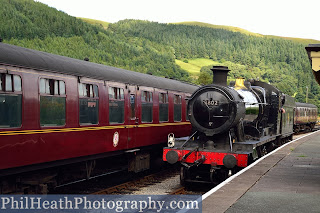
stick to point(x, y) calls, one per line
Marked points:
point(57, 111)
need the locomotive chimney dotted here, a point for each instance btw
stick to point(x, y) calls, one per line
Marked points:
point(220, 74)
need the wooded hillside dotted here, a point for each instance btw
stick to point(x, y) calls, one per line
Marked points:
point(34, 25)
point(153, 48)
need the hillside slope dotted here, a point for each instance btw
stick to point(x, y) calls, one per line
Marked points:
point(246, 32)
point(96, 22)
point(230, 28)
point(153, 48)
point(35, 25)
point(279, 61)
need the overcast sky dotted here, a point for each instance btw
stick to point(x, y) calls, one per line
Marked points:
point(291, 18)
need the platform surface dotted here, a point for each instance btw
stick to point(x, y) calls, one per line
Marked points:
point(286, 181)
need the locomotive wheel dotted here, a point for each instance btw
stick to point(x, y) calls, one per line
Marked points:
point(212, 172)
point(183, 174)
point(219, 175)
point(308, 129)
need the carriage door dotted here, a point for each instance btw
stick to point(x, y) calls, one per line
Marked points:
point(133, 116)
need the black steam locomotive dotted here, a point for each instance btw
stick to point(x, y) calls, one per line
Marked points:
point(232, 126)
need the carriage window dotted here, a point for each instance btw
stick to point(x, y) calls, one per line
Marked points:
point(88, 104)
point(10, 103)
point(146, 107)
point(177, 108)
point(17, 83)
point(116, 93)
point(52, 102)
point(163, 107)
point(52, 87)
point(132, 107)
point(116, 105)
point(62, 87)
point(88, 90)
point(8, 81)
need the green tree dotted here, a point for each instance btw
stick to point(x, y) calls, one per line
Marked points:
point(204, 78)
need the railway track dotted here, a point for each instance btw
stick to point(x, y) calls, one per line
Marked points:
point(164, 182)
point(133, 187)
point(299, 134)
point(180, 191)
point(143, 185)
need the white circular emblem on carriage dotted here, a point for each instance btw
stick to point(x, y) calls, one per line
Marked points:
point(115, 139)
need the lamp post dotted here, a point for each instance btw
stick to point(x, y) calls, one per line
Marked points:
point(313, 51)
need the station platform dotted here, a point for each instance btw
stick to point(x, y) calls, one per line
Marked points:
point(286, 180)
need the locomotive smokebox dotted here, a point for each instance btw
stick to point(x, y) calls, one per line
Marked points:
point(220, 74)
point(214, 109)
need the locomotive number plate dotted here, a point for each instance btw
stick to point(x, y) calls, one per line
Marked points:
point(211, 102)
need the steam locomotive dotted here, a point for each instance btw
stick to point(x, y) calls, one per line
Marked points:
point(232, 126)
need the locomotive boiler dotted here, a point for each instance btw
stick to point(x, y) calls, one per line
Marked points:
point(232, 126)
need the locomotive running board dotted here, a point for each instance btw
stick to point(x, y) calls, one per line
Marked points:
point(247, 146)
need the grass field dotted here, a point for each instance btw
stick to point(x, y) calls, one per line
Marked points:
point(194, 65)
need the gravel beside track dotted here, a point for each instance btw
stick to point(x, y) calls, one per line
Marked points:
point(162, 188)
